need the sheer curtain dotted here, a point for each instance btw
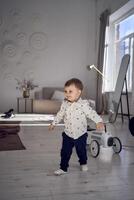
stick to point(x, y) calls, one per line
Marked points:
point(101, 98)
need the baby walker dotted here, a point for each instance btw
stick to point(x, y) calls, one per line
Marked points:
point(104, 139)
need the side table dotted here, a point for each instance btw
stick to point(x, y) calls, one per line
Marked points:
point(26, 103)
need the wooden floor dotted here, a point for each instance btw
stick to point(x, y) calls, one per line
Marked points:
point(28, 174)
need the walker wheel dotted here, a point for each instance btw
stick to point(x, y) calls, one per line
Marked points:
point(95, 148)
point(117, 146)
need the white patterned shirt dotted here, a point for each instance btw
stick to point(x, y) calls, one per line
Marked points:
point(75, 117)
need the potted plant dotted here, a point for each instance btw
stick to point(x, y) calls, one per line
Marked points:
point(25, 86)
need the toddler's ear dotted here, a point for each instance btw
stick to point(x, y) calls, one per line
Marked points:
point(80, 91)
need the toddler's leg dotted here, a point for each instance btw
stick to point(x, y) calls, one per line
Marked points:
point(80, 145)
point(66, 151)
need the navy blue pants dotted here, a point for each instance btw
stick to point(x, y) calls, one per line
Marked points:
point(67, 146)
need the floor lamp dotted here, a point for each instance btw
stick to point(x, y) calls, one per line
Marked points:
point(90, 67)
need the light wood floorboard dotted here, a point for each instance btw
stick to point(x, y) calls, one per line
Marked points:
point(28, 174)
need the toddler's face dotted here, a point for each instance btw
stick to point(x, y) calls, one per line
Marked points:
point(72, 93)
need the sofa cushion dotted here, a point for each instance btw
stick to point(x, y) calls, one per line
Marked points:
point(47, 92)
point(58, 95)
point(46, 106)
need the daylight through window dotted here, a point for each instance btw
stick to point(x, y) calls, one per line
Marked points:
point(119, 41)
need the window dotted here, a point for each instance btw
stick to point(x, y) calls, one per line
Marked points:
point(119, 41)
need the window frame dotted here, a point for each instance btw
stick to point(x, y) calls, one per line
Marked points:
point(110, 51)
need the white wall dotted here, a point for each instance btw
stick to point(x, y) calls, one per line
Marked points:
point(49, 40)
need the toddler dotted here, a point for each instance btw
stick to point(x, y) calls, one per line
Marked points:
point(74, 112)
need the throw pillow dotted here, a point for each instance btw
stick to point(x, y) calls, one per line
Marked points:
point(58, 95)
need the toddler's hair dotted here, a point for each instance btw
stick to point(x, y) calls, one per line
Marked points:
point(74, 81)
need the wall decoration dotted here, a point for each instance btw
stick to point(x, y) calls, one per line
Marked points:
point(21, 37)
point(38, 41)
point(9, 49)
point(26, 55)
point(36, 18)
point(22, 45)
point(29, 74)
point(8, 76)
point(4, 72)
point(6, 33)
point(16, 15)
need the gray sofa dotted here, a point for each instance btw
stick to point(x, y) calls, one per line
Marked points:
point(44, 103)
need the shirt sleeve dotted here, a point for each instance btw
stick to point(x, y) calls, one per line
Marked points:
point(60, 114)
point(90, 113)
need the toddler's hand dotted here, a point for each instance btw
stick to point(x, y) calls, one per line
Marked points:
point(51, 127)
point(100, 126)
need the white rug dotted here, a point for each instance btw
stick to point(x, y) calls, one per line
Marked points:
point(29, 119)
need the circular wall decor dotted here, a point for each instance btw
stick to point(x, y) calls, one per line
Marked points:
point(26, 55)
point(36, 18)
point(6, 33)
point(9, 49)
point(38, 41)
point(29, 74)
point(8, 76)
point(21, 37)
point(19, 65)
point(16, 15)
